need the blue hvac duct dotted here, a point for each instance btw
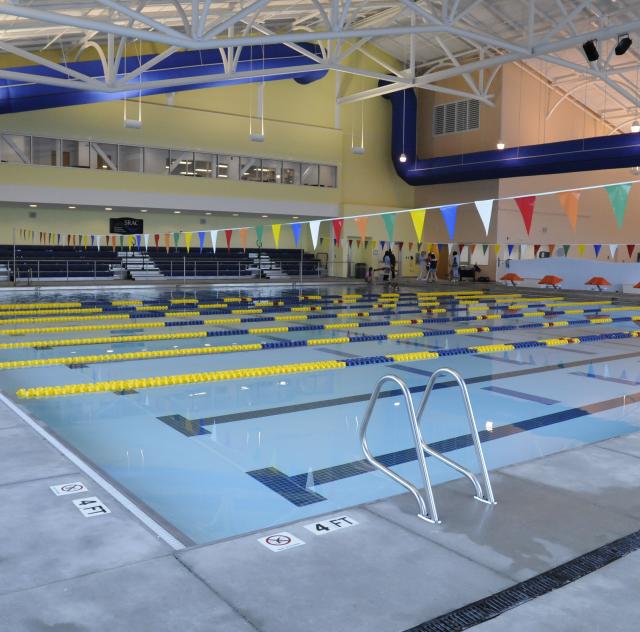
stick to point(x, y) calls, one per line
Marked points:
point(601, 152)
point(16, 96)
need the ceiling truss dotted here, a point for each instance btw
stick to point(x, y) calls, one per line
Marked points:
point(408, 43)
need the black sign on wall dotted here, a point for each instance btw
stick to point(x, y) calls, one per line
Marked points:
point(125, 226)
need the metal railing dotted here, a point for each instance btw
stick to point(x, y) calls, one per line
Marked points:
point(427, 509)
point(145, 267)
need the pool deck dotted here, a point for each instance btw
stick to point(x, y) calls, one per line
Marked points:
point(61, 571)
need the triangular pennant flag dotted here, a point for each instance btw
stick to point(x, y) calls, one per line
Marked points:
point(93, 240)
point(389, 224)
point(214, 238)
point(449, 215)
point(569, 200)
point(496, 248)
point(596, 249)
point(296, 229)
point(630, 249)
point(472, 248)
point(176, 239)
point(350, 242)
point(243, 238)
point(314, 227)
point(400, 244)
point(259, 233)
point(358, 242)
point(187, 240)
point(552, 249)
point(484, 248)
point(410, 246)
point(227, 236)
point(581, 249)
point(337, 228)
point(201, 238)
point(98, 237)
point(382, 243)
point(613, 248)
point(526, 205)
point(417, 218)
point(113, 242)
point(130, 242)
point(361, 223)
point(156, 239)
point(275, 229)
point(138, 239)
point(618, 197)
point(484, 208)
point(120, 240)
point(536, 247)
point(146, 241)
point(510, 249)
point(566, 249)
point(167, 241)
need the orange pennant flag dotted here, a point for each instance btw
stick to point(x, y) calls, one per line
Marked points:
point(570, 201)
point(361, 223)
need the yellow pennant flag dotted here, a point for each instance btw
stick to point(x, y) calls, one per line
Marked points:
point(130, 241)
point(581, 249)
point(417, 217)
point(496, 248)
point(276, 234)
point(187, 240)
point(84, 241)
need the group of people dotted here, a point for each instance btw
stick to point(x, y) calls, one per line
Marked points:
point(427, 263)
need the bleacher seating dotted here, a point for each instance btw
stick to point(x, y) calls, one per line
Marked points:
point(59, 262)
point(76, 262)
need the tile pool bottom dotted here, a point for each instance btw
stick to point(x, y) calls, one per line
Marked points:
point(214, 460)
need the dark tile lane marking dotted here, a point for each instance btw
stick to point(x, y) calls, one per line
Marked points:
point(547, 401)
point(177, 419)
point(362, 466)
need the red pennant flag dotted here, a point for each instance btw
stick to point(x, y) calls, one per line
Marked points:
point(156, 238)
point(410, 246)
point(630, 249)
point(227, 234)
point(350, 243)
point(337, 228)
point(460, 247)
point(526, 205)
point(400, 244)
point(113, 242)
point(536, 247)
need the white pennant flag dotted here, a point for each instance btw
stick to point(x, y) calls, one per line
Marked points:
point(314, 227)
point(523, 250)
point(613, 249)
point(214, 238)
point(98, 238)
point(485, 208)
point(146, 241)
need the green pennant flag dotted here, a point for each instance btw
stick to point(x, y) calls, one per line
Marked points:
point(566, 249)
point(176, 239)
point(121, 239)
point(484, 248)
point(618, 196)
point(390, 224)
point(259, 231)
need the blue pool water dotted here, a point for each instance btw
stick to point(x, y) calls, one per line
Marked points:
point(216, 459)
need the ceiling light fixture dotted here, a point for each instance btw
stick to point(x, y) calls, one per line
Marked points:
point(236, 214)
point(296, 217)
point(177, 212)
point(108, 208)
point(71, 207)
point(500, 145)
point(143, 210)
point(208, 213)
point(591, 50)
point(265, 216)
point(403, 157)
point(33, 205)
point(635, 127)
point(624, 43)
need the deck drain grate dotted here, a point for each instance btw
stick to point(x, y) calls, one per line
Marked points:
point(490, 607)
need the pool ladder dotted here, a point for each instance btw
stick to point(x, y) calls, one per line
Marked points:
point(427, 510)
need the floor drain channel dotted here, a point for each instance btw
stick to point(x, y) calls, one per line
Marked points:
point(494, 605)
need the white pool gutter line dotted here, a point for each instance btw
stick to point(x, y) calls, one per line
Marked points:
point(149, 522)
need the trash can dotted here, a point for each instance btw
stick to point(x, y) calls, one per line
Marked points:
point(361, 270)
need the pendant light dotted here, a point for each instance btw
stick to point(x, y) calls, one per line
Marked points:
point(403, 157)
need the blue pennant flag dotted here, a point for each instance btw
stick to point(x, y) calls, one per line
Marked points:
point(296, 228)
point(449, 214)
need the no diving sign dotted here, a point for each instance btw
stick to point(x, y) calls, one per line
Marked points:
point(282, 541)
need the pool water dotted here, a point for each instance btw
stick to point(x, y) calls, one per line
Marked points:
point(214, 459)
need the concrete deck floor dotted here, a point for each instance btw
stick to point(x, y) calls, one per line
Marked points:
point(61, 571)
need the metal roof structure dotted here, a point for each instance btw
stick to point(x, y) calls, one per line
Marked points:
point(410, 43)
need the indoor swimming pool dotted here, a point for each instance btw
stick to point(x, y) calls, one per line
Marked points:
point(222, 412)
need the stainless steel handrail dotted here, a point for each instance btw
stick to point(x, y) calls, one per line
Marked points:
point(429, 514)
